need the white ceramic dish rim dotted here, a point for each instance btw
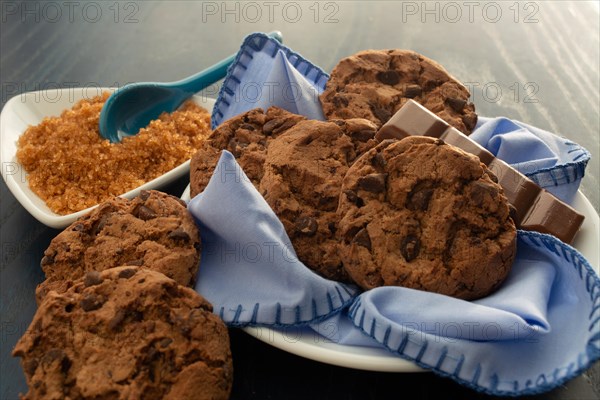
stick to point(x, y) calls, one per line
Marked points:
point(29, 109)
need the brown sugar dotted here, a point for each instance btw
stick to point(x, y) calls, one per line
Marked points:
point(71, 167)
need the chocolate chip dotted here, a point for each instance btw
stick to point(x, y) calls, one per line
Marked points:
point(277, 125)
point(144, 195)
point(92, 278)
point(53, 355)
point(136, 316)
point(47, 260)
point(78, 227)
point(185, 330)
point(340, 101)
point(388, 77)
point(363, 239)
point(419, 197)
point(172, 289)
point(439, 142)
point(306, 140)
point(65, 364)
point(363, 135)
point(307, 226)
point(380, 113)
point(151, 355)
point(374, 183)
point(431, 84)
point(164, 342)
point(99, 225)
point(116, 320)
point(482, 192)
point(353, 198)
point(328, 203)
point(456, 104)
point(491, 175)
point(91, 302)
point(183, 203)
point(378, 160)
point(247, 127)
point(450, 238)
point(179, 234)
point(144, 213)
point(234, 147)
point(127, 273)
point(242, 141)
point(410, 247)
point(332, 227)
point(412, 91)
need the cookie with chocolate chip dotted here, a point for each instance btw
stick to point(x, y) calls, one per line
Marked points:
point(154, 230)
point(303, 174)
point(374, 84)
point(426, 215)
point(247, 137)
point(126, 333)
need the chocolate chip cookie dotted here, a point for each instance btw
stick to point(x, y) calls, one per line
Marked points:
point(303, 174)
point(154, 230)
point(374, 84)
point(126, 333)
point(426, 215)
point(247, 137)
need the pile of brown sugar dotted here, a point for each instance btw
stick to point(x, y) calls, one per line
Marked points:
point(71, 167)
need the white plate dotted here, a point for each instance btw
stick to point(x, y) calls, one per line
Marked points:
point(305, 342)
point(30, 108)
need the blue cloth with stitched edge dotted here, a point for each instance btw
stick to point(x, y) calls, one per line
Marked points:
point(249, 270)
point(540, 328)
point(266, 73)
point(554, 163)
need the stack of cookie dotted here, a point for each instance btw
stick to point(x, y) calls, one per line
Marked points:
point(417, 213)
point(116, 316)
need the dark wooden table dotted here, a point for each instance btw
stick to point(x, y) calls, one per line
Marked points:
point(532, 61)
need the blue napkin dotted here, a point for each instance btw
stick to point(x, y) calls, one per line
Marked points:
point(541, 328)
point(265, 73)
point(249, 270)
point(553, 162)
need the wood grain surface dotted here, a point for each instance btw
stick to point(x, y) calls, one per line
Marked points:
point(537, 62)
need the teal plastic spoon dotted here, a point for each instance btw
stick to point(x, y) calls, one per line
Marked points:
point(133, 106)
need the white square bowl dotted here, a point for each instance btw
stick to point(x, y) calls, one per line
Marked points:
point(29, 109)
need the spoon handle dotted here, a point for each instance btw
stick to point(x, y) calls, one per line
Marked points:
point(212, 74)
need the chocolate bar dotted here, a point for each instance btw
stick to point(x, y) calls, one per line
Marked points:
point(536, 208)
